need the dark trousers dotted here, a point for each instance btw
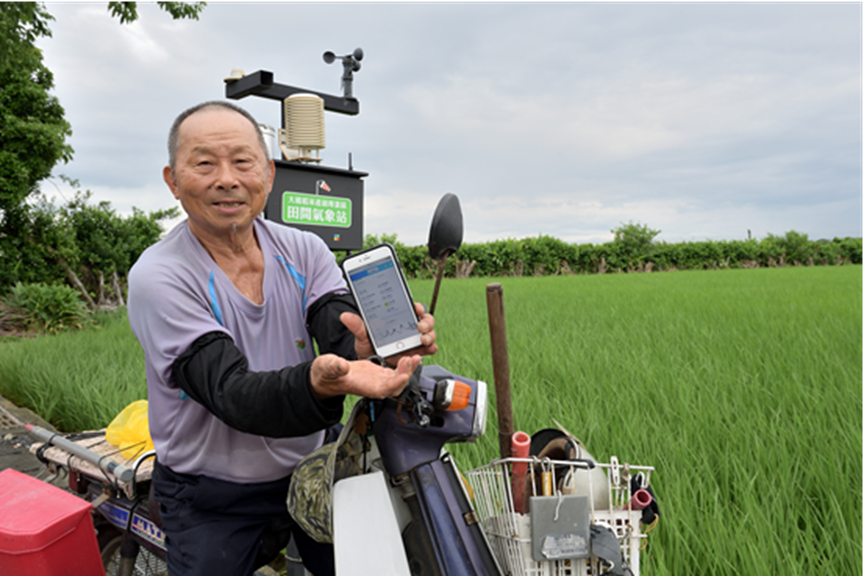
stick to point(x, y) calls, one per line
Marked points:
point(218, 528)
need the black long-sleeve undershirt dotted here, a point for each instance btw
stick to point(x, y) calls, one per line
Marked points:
point(277, 403)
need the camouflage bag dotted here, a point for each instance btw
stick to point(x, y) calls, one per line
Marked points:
point(309, 495)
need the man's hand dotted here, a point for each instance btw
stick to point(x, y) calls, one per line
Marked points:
point(363, 346)
point(333, 376)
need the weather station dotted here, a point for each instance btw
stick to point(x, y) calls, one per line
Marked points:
point(307, 195)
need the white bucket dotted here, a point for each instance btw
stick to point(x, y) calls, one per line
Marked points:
point(269, 134)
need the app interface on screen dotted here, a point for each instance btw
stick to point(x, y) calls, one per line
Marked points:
point(379, 290)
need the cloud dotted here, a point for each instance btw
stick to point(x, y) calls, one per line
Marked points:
point(702, 120)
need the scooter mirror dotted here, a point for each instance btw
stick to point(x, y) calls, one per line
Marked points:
point(445, 237)
point(445, 232)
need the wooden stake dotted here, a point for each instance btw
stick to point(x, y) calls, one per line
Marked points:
point(500, 366)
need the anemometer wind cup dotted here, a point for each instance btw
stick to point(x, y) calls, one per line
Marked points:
point(350, 64)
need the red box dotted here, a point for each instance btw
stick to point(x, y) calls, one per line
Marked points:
point(45, 531)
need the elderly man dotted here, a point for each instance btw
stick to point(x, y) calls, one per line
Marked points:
point(225, 308)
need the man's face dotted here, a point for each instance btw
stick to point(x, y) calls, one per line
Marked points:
point(221, 175)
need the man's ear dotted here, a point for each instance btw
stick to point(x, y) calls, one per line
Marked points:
point(168, 176)
point(272, 176)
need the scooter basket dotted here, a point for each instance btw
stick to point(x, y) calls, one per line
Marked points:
point(509, 532)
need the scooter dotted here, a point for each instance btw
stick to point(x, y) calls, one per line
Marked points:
point(413, 491)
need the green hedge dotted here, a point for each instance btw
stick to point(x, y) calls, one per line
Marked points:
point(545, 255)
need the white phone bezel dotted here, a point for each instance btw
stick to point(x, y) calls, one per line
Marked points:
point(355, 261)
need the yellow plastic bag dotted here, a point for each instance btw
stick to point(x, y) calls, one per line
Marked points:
point(130, 430)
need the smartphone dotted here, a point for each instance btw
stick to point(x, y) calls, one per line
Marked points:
point(379, 287)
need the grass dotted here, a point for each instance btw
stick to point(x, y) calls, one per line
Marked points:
point(75, 380)
point(741, 387)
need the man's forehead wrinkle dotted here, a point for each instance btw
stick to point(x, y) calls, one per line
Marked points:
point(211, 149)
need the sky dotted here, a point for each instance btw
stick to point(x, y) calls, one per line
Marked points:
point(701, 120)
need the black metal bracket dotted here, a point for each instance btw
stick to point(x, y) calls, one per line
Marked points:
point(261, 84)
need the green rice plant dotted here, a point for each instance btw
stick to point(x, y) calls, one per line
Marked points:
point(742, 388)
point(76, 380)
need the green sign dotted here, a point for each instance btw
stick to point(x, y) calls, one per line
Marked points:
point(299, 208)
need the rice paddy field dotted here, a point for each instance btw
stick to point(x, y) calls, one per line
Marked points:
point(741, 387)
point(75, 380)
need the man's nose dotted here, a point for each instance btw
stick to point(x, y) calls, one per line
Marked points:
point(226, 176)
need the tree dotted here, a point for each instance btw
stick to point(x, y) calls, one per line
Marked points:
point(107, 244)
point(33, 133)
point(128, 11)
point(33, 129)
point(39, 250)
point(22, 23)
point(85, 244)
point(634, 241)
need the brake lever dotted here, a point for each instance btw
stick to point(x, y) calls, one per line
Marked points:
point(421, 408)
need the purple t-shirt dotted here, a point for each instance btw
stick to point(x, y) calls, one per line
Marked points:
point(178, 293)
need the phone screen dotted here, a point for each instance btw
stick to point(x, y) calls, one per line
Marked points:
point(389, 315)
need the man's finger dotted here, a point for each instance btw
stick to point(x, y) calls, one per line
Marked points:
point(407, 365)
point(426, 321)
point(333, 367)
point(354, 323)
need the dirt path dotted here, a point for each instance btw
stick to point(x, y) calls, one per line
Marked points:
point(15, 443)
